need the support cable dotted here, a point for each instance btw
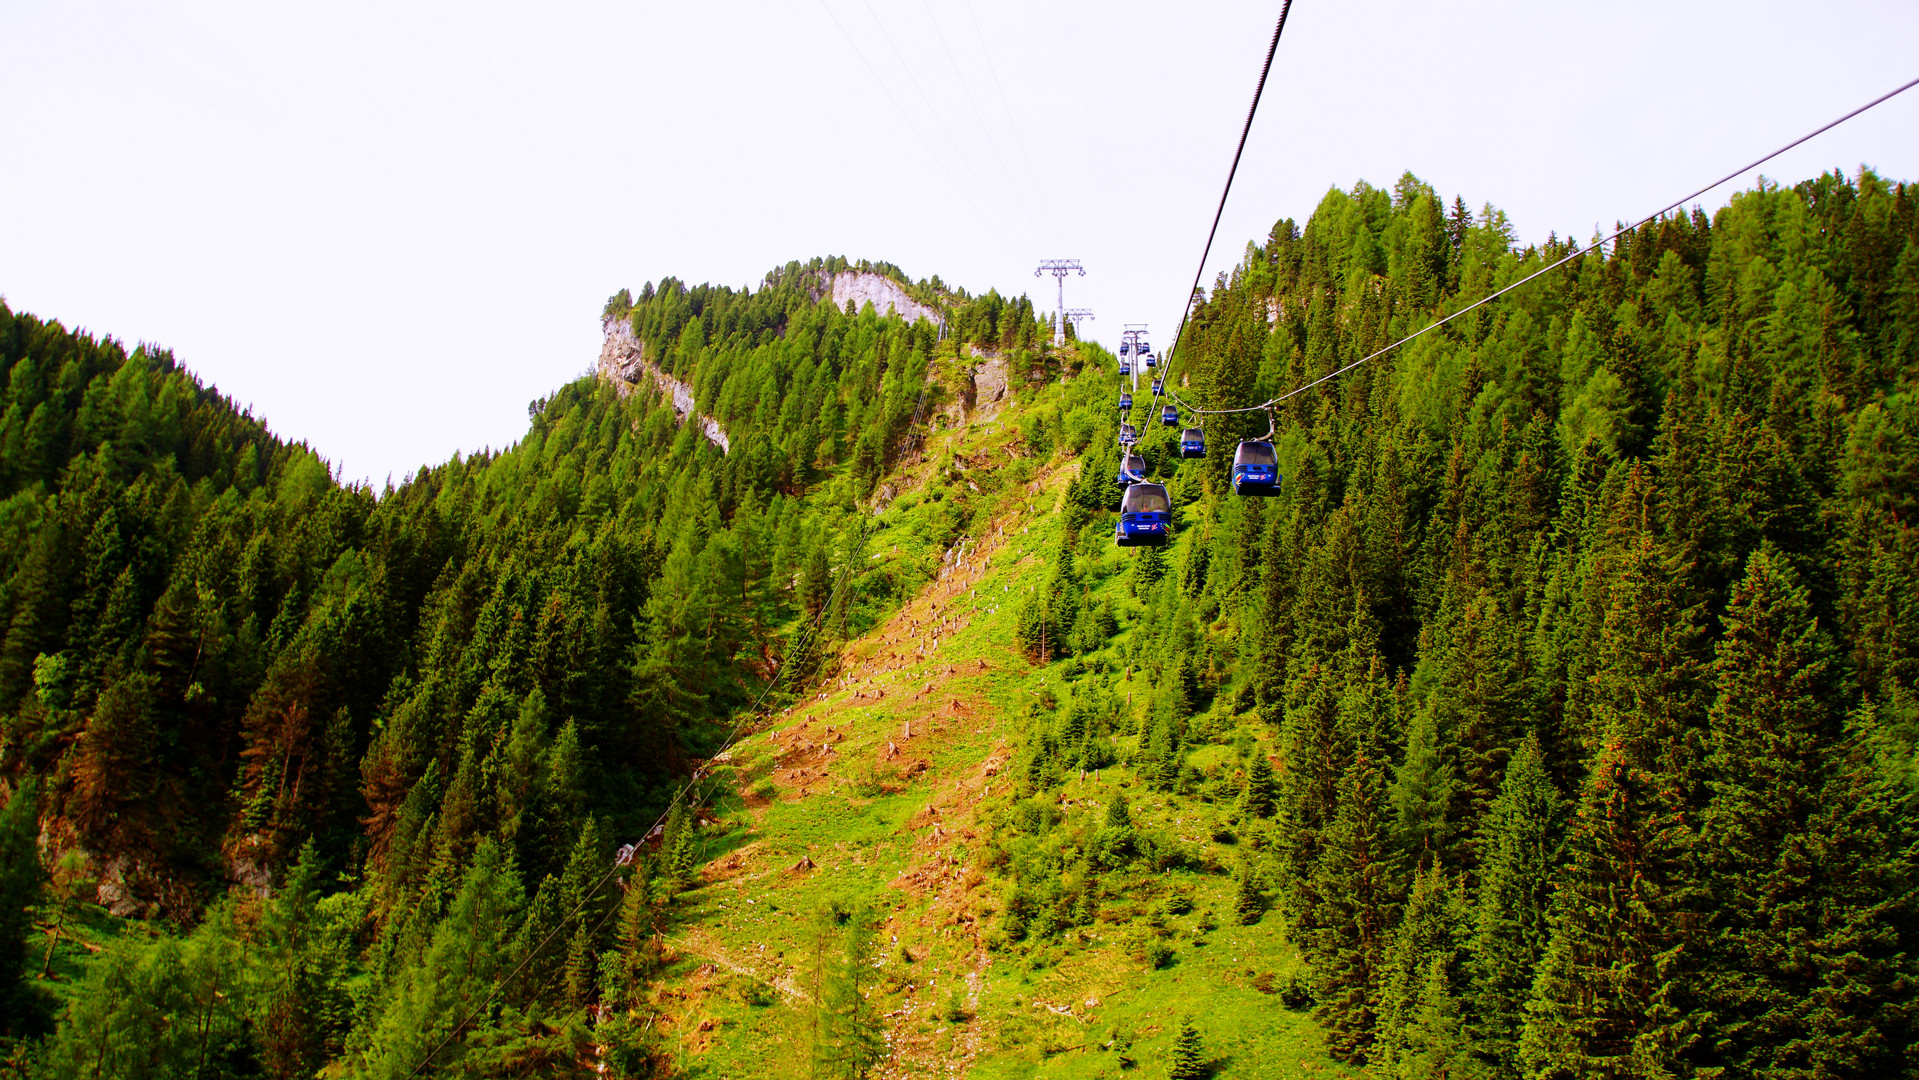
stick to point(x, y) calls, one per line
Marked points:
point(1019, 192)
point(1244, 130)
point(965, 193)
point(1598, 247)
point(966, 162)
point(1011, 120)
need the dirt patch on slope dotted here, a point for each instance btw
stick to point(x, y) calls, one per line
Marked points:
point(902, 704)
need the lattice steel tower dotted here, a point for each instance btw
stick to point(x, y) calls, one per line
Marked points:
point(1060, 268)
point(1136, 346)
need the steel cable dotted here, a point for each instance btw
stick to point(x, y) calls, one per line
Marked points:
point(1598, 247)
point(1246, 129)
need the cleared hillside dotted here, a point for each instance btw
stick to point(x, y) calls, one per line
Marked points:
point(886, 791)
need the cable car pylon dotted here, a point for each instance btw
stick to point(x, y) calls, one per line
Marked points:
point(1059, 269)
point(1133, 346)
point(1078, 315)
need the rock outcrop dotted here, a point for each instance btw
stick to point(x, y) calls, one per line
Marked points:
point(989, 383)
point(623, 359)
point(981, 393)
point(623, 363)
point(885, 294)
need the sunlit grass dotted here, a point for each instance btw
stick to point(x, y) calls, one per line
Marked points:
point(1077, 1006)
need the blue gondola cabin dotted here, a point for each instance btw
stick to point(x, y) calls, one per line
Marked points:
point(1145, 516)
point(1255, 469)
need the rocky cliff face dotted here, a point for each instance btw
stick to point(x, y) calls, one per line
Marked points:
point(982, 392)
point(885, 294)
point(623, 363)
point(623, 359)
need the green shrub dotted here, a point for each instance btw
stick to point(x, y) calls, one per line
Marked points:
point(1113, 847)
point(1189, 1061)
point(1296, 995)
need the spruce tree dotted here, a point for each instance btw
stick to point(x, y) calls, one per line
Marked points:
point(850, 1038)
point(1188, 1060)
point(1436, 1041)
point(623, 971)
point(1308, 798)
point(1035, 633)
point(1477, 699)
point(581, 968)
point(1249, 901)
point(1357, 888)
point(1149, 568)
point(1602, 1002)
point(816, 579)
point(1520, 856)
point(1613, 990)
point(679, 846)
point(1812, 900)
point(22, 885)
point(303, 1010)
point(1115, 844)
point(1858, 927)
point(468, 949)
point(1262, 790)
point(1424, 786)
point(1427, 957)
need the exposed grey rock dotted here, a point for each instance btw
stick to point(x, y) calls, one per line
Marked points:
point(115, 894)
point(885, 294)
point(989, 384)
point(251, 873)
point(623, 363)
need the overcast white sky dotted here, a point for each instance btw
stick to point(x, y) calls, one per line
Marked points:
point(389, 226)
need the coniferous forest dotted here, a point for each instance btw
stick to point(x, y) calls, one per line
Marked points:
point(1557, 719)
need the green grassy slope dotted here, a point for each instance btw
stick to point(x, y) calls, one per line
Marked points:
point(894, 783)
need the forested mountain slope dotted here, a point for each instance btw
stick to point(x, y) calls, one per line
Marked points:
point(1557, 719)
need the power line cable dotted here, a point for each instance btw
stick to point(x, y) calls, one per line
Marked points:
point(1597, 247)
point(1011, 120)
point(966, 161)
point(913, 127)
point(1019, 193)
